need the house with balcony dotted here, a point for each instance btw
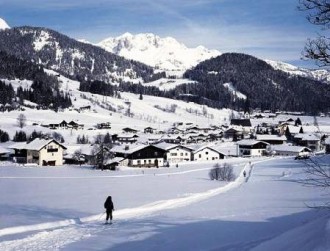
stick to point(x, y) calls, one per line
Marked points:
point(43, 152)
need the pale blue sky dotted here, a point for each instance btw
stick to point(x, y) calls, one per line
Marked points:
point(270, 29)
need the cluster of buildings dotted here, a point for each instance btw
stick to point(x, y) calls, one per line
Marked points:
point(179, 144)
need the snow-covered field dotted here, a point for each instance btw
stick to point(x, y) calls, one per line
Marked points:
point(61, 208)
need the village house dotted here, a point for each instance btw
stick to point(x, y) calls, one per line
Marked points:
point(271, 139)
point(112, 164)
point(175, 153)
point(126, 138)
point(289, 150)
point(251, 148)
point(139, 155)
point(172, 139)
point(63, 125)
point(43, 152)
point(308, 140)
point(105, 125)
point(149, 130)
point(129, 130)
point(175, 130)
point(74, 125)
point(206, 153)
point(233, 133)
point(291, 131)
point(242, 124)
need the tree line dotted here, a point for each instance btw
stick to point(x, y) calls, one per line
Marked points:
point(44, 90)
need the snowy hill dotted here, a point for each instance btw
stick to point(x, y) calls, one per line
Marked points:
point(3, 24)
point(150, 111)
point(318, 74)
point(163, 53)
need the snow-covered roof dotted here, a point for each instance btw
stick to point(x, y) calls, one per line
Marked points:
point(310, 128)
point(208, 147)
point(114, 160)
point(166, 146)
point(250, 142)
point(270, 137)
point(3, 150)
point(310, 137)
point(290, 148)
point(128, 149)
point(36, 144)
point(294, 129)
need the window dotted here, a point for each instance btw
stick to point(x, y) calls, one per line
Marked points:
point(139, 162)
point(174, 154)
point(156, 154)
point(181, 154)
point(206, 152)
point(200, 155)
point(52, 150)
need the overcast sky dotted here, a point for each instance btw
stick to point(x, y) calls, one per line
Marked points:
point(269, 29)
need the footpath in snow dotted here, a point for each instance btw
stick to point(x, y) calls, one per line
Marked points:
point(67, 231)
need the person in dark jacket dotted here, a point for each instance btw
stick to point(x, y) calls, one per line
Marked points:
point(108, 205)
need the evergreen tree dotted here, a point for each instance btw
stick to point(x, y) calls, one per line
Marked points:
point(4, 137)
point(20, 136)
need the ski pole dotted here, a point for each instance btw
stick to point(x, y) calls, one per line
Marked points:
point(101, 216)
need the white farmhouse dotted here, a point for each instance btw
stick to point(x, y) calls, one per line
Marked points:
point(289, 150)
point(206, 153)
point(44, 152)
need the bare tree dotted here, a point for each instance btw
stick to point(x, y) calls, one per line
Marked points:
point(317, 49)
point(318, 175)
point(222, 173)
point(21, 120)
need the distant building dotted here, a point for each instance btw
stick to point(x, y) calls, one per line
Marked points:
point(252, 148)
point(271, 139)
point(288, 150)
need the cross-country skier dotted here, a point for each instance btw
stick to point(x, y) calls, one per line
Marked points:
point(108, 205)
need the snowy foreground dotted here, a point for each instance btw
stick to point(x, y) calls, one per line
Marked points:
point(61, 208)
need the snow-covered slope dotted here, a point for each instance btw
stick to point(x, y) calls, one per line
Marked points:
point(163, 53)
point(3, 24)
point(318, 74)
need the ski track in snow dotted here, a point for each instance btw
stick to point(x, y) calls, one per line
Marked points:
point(54, 235)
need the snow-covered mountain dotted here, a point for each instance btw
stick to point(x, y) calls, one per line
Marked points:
point(317, 74)
point(163, 53)
point(71, 57)
point(3, 24)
